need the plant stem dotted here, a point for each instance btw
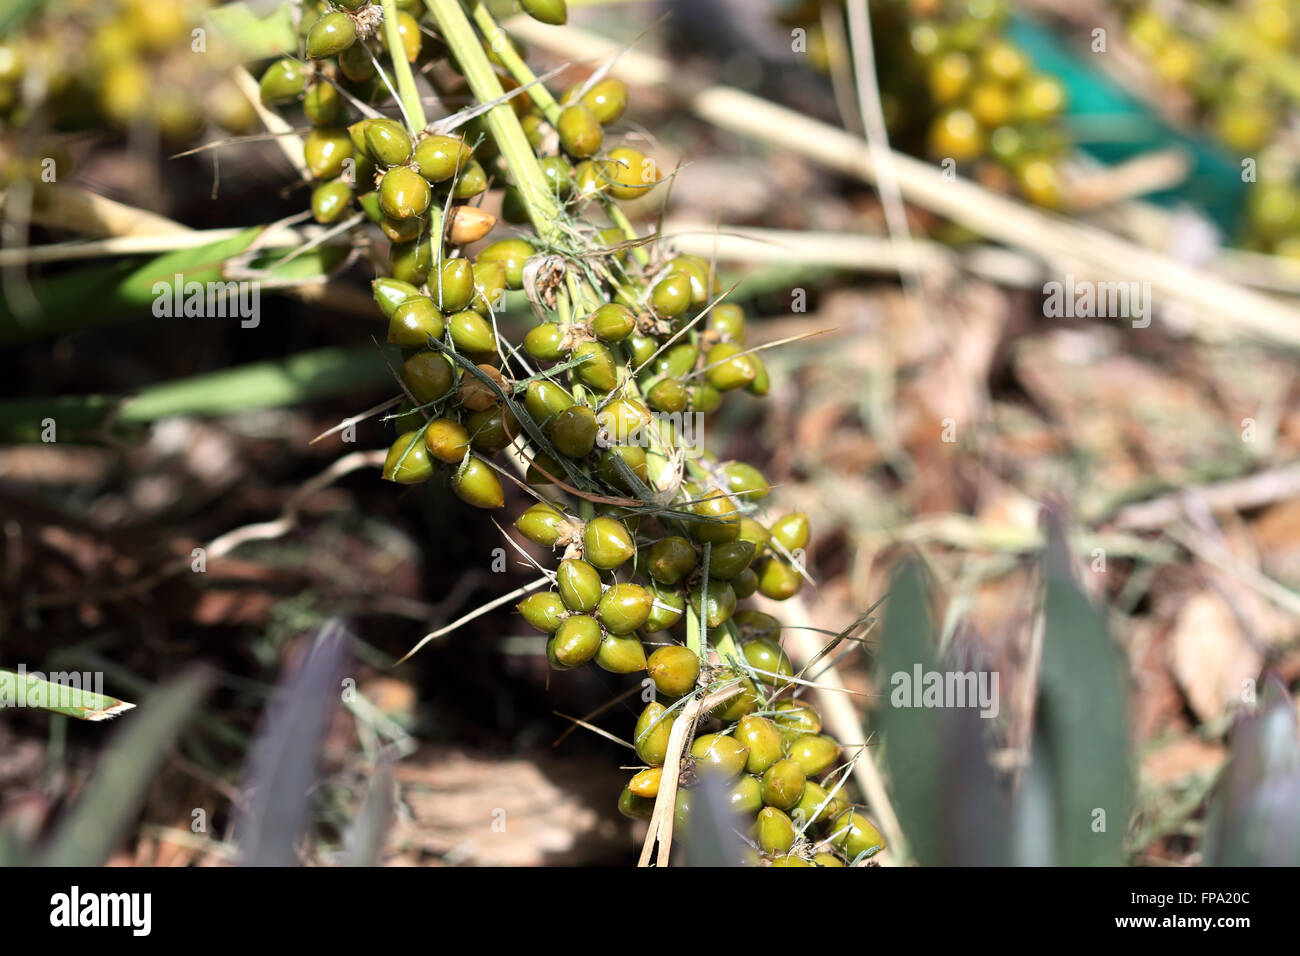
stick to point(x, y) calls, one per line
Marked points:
point(543, 210)
point(516, 67)
point(406, 89)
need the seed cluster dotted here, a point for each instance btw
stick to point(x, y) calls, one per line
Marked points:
point(657, 540)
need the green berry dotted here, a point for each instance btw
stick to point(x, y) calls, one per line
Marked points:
point(667, 611)
point(471, 333)
point(331, 35)
point(774, 831)
point(634, 807)
point(719, 604)
point(816, 796)
point(410, 261)
point(726, 561)
point(745, 481)
point(475, 483)
point(763, 738)
point(574, 431)
point(651, 734)
point(728, 321)
point(856, 835)
point(624, 608)
point(545, 342)
point(671, 295)
point(796, 717)
point(327, 150)
point(447, 440)
point(322, 104)
point(543, 611)
point(439, 158)
point(330, 200)
point(541, 524)
point(414, 322)
point(668, 395)
point(607, 99)
point(598, 369)
point(514, 255)
point(386, 141)
point(576, 641)
point(471, 181)
point(674, 670)
point(579, 584)
point(453, 289)
point(782, 784)
point(545, 400)
point(726, 369)
point(283, 80)
point(778, 581)
point(815, 754)
point(671, 559)
point(428, 376)
point(631, 457)
point(390, 293)
point(791, 531)
point(719, 754)
point(546, 11)
point(612, 322)
point(745, 798)
point(621, 654)
point(580, 133)
point(408, 462)
point(606, 543)
point(404, 193)
point(492, 429)
point(766, 657)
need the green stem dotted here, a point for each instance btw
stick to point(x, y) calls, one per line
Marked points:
point(406, 88)
point(542, 207)
point(514, 65)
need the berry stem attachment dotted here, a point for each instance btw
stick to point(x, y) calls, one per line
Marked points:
point(406, 89)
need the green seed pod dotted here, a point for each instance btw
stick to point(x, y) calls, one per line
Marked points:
point(414, 322)
point(598, 369)
point(719, 754)
point(724, 525)
point(646, 782)
point(492, 429)
point(440, 157)
point(774, 831)
point(541, 470)
point(757, 624)
point(720, 604)
point(745, 798)
point(761, 384)
point(574, 431)
point(326, 150)
point(745, 584)
point(386, 142)
point(475, 483)
point(632, 456)
point(453, 289)
point(390, 293)
point(671, 295)
point(410, 261)
point(558, 174)
point(705, 399)
point(668, 395)
point(355, 63)
point(543, 611)
point(678, 361)
point(631, 174)
point(634, 807)
point(782, 784)
point(322, 104)
point(778, 581)
point(745, 481)
point(576, 641)
point(640, 348)
point(612, 322)
point(766, 656)
point(399, 230)
point(546, 11)
point(471, 333)
point(579, 584)
point(728, 560)
point(330, 200)
point(725, 369)
point(489, 288)
point(624, 608)
point(827, 858)
point(606, 99)
point(763, 739)
point(795, 717)
point(755, 533)
point(791, 531)
point(542, 524)
point(744, 703)
point(545, 342)
point(607, 544)
point(814, 796)
point(283, 80)
point(428, 376)
point(788, 862)
point(404, 193)
point(815, 754)
point(651, 734)
point(621, 654)
point(407, 462)
point(369, 203)
point(696, 271)
point(511, 253)
point(674, 669)
point(471, 182)
point(447, 440)
point(580, 133)
point(682, 814)
point(545, 400)
point(671, 559)
point(331, 35)
point(625, 420)
point(667, 611)
point(856, 835)
point(513, 207)
point(728, 321)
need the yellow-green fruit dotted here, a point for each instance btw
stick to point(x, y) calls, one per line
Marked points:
point(631, 174)
point(390, 293)
point(782, 784)
point(574, 431)
point(625, 420)
point(579, 584)
point(453, 288)
point(511, 253)
point(543, 611)
point(414, 322)
point(651, 734)
point(428, 376)
point(827, 859)
point(722, 520)
point(728, 321)
point(795, 717)
point(624, 608)
point(475, 483)
point(410, 261)
point(322, 104)
point(621, 654)
point(576, 641)
point(542, 524)
point(544, 400)
point(635, 807)
point(646, 782)
point(546, 11)
point(745, 584)
point(788, 862)
point(408, 32)
point(471, 333)
point(399, 230)
point(447, 440)
point(668, 395)
point(408, 462)
point(719, 754)
point(355, 63)
point(949, 77)
point(730, 559)
point(492, 429)
point(606, 99)
point(767, 658)
point(725, 368)
point(856, 835)
point(815, 754)
point(955, 135)
point(404, 193)
point(745, 481)
point(667, 611)
point(764, 741)
point(719, 603)
point(817, 806)
point(283, 80)
point(674, 670)
point(597, 369)
point(326, 151)
point(778, 580)
point(742, 704)
point(745, 797)
point(331, 35)
point(489, 288)
point(671, 295)
point(682, 814)
point(471, 181)
point(612, 322)
point(580, 133)
point(330, 200)
point(440, 157)
point(631, 457)
point(670, 559)
point(607, 543)
point(386, 141)
point(774, 831)
point(990, 104)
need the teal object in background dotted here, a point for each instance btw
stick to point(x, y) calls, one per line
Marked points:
point(1112, 126)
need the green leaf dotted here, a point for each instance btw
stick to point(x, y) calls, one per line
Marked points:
point(93, 828)
point(65, 697)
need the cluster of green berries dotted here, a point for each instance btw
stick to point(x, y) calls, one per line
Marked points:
point(657, 541)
